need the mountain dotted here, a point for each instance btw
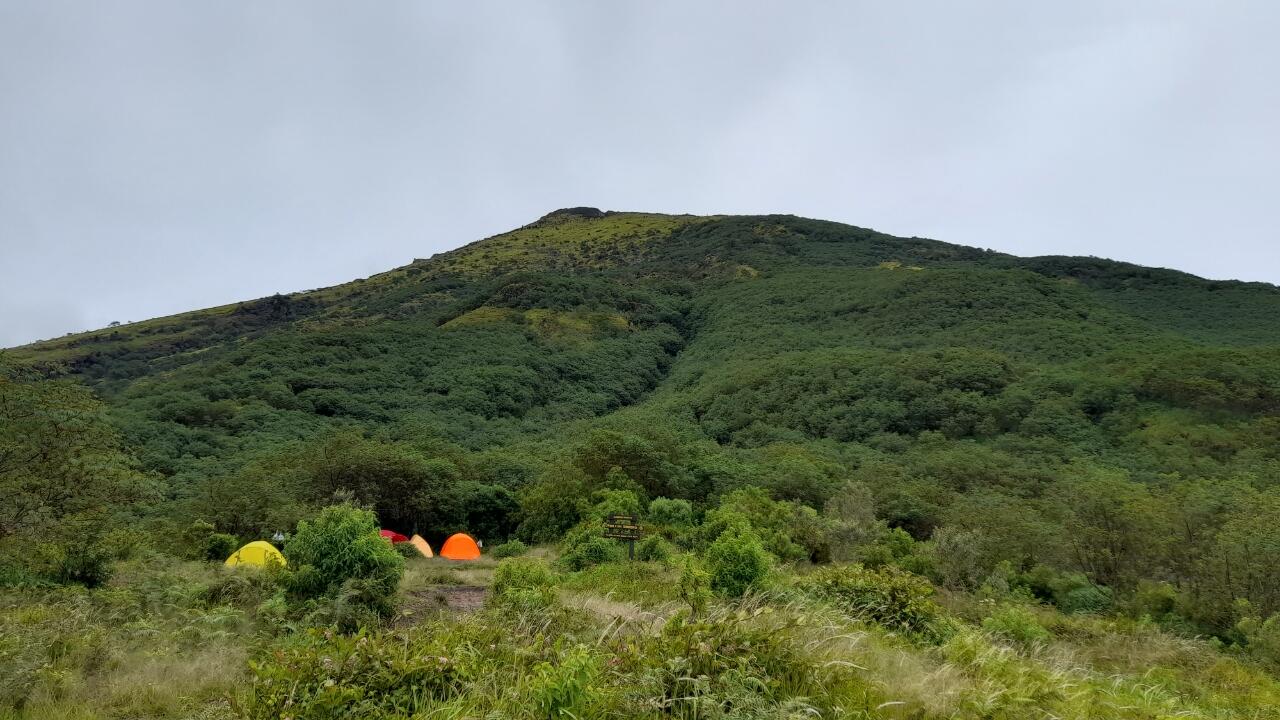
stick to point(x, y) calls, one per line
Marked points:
point(1011, 398)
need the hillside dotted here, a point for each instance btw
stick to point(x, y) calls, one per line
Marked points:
point(745, 332)
point(1093, 440)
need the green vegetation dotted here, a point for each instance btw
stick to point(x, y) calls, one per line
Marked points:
point(736, 561)
point(879, 477)
point(339, 554)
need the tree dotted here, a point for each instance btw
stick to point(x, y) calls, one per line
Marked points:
point(1113, 526)
point(406, 489)
point(59, 458)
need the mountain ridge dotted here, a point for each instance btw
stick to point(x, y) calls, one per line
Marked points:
point(1077, 267)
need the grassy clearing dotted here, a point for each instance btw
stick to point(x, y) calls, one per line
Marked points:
point(423, 573)
point(169, 639)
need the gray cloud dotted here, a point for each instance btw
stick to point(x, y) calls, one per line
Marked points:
point(167, 155)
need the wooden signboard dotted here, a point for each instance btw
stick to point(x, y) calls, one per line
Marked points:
point(624, 527)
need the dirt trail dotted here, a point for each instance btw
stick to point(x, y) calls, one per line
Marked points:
point(420, 604)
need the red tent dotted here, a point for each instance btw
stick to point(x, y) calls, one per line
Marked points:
point(393, 536)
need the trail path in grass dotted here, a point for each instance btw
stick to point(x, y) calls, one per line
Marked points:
point(421, 604)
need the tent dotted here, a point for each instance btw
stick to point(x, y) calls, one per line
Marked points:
point(421, 545)
point(460, 546)
point(259, 553)
point(393, 536)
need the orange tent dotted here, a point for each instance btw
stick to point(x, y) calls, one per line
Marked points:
point(460, 546)
point(421, 545)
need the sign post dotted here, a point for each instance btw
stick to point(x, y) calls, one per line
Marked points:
point(624, 527)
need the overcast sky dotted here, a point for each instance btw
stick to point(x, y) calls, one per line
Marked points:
point(169, 155)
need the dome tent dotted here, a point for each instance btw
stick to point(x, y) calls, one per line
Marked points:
point(258, 553)
point(460, 546)
point(393, 536)
point(421, 545)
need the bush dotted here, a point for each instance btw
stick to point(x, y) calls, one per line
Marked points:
point(238, 589)
point(381, 676)
point(564, 688)
point(524, 583)
point(731, 664)
point(653, 548)
point(1261, 639)
point(126, 543)
point(406, 550)
point(85, 562)
point(671, 513)
point(219, 546)
point(194, 537)
point(736, 561)
point(509, 549)
point(1091, 599)
point(775, 523)
point(695, 586)
point(958, 558)
point(887, 596)
point(1071, 592)
point(585, 546)
point(614, 502)
point(70, 556)
point(1017, 623)
point(342, 544)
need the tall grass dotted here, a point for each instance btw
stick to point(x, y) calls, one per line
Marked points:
point(185, 640)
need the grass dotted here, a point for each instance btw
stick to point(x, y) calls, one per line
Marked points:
point(155, 643)
point(423, 573)
point(169, 639)
point(564, 242)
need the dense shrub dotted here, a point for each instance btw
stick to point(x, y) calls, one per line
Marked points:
point(406, 550)
point(85, 562)
point(340, 549)
point(565, 688)
point(1018, 624)
point(1261, 639)
point(68, 556)
point(127, 543)
point(219, 546)
point(1071, 592)
point(194, 538)
point(1086, 598)
point(787, 530)
point(509, 549)
point(585, 546)
point(614, 502)
point(380, 676)
point(670, 513)
point(887, 596)
point(728, 659)
point(736, 562)
point(695, 586)
point(653, 548)
point(524, 583)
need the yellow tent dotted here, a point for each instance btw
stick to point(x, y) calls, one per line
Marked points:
point(421, 545)
point(258, 553)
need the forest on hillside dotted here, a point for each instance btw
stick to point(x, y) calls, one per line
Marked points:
point(1020, 469)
